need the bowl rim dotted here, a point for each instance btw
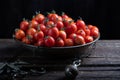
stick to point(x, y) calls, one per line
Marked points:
point(75, 46)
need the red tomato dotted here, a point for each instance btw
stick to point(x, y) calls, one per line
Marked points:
point(88, 39)
point(31, 31)
point(81, 32)
point(59, 42)
point(87, 31)
point(64, 15)
point(79, 40)
point(19, 34)
point(80, 24)
point(67, 21)
point(39, 18)
point(41, 27)
point(62, 34)
point(40, 42)
point(59, 25)
point(59, 18)
point(53, 17)
point(69, 42)
point(72, 28)
point(24, 25)
point(27, 39)
point(72, 36)
point(50, 24)
point(49, 41)
point(54, 32)
point(94, 33)
point(39, 35)
point(33, 24)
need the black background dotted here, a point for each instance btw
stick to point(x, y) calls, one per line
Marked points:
point(102, 13)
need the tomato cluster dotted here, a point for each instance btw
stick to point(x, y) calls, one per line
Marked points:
point(55, 30)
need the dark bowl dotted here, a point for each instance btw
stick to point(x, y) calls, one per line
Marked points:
point(77, 51)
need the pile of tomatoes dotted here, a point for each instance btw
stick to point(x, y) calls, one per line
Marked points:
point(55, 30)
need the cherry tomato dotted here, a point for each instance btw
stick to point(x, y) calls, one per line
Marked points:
point(67, 21)
point(39, 35)
point(49, 41)
point(33, 24)
point(87, 31)
point(94, 33)
point(50, 24)
point(39, 18)
point(79, 40)
point(88, 39)
point(24, 25)
point(19, 34)
point(41, 27)
point(64, 15)
point(54, 32)
point(31, 31)
point(62, 34)
point(69, 42)
point(59, 42)
point(72, 28)
point(59, 25)
point(80, 24)
point(27, 39)
point(40, 42)
point(53, 17)
point(72, 36)
point(81, 32)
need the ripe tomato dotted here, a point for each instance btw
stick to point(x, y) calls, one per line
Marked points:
point(94, 33)
point(71, 28)
point(62, 34)
point(31, 31)
point(50, 24)
point(53, 17)
point(54, 32)
point(41, 27)
point(59, 18)
point(59, 42)
point(80, 24)
point(40, 42)
point(26, 39)
point(69, 42)
point(24, 25)
point(39, 35)
point(49, 41)
point(59, 25)
point(87, 31)
point(72, 36)
point(88, 39)
point(79, 40)
point(39, 18)
point(67, 21)
point(64, 15)
point(33, 24)
point(81, 32)
point(19, 34)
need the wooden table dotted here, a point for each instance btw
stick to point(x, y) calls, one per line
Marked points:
point(102, 64)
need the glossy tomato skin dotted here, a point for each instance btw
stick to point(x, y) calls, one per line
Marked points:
point(19, 34)
point(40, 42)
point(33, 24)
point(49, 41)
point(69, 42)
point(24, 25)
point(39, 18)
point(31, 31)
point(26, 40)
point(59, 25)
point(41, 27)
point(39, 35)
point(62, 34)
point(94, 33)
point(71, 28)
point(54, 32)
point(72, 36)
point(88, 39)
point(87, 31)
point(79, 40)
point(59, 42)
point(80, 24)
point(81, 32)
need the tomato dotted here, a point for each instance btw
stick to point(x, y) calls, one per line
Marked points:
point(87, 31)
point(72, 36)
point(90, 26)
point(64, 15)
point(54, 32)
point(79, 40)
point(33, 24)
point(49, 41)
point(88, 39)
point(62, 34)
point(27, 39)
point(59, 18)
point(40, 42)
point(53, 17)
point(19, 34)
point(59, 25)
point(39, 18)
point(72, 28)
point(81, 32)
point(69, 42)
point(59, 42)
point(41, 27)
point(67, 21)
point(31, 31)
point(24, 25)
point(94, 33)
point(50, 24)
point(80, 24)
point(39, 35)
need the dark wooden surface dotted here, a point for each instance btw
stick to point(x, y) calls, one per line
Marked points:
point(102, 64)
